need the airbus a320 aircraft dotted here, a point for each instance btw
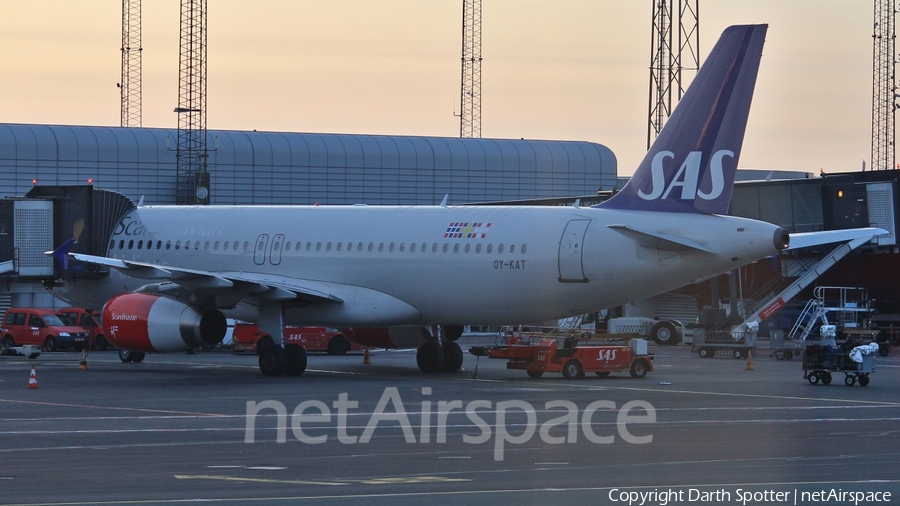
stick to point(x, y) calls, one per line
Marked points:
point(413, 276)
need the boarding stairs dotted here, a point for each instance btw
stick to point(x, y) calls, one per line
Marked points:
point(812, 272)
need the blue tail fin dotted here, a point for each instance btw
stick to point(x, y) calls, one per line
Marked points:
point(691, 165)
point(61, 254)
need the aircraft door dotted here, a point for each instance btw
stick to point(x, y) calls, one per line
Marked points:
point(571, 247)
point(275, 254)
point(259, 255)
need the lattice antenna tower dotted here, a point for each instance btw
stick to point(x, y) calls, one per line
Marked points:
point(470, 92)
point(884, 90)
point(191, 154)
point(675, 48)
point(130, 84)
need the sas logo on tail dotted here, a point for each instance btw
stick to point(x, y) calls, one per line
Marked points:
point(688, 176)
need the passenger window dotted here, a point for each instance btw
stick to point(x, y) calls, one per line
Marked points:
point(349, 246)
point(187, 244)
point(524, 248)
point(206, 245)
point(112, 244)
point(246, 245)
point(490, 248)
point(424, 247)
point(225, 246)
point(467, 247)
point(261, 246)
point(140, 245)
point(434, 248)
point(216, 245)
point(478, 248)
point(149, 244)
point(318, 246)
point(121, 244)
point(381, 246)
point(287, 245)
point(412, 248)
point(446, 247)
point(338, 246)
point(177, 244)
point(297, 246)
point(500, 249)
point(359, 247)
point(168, 244)
point(512, 248)
point(130, 244)
point(391, 248)
point(328, 246)
point(370, 246)
point(456, 248)
point(236, 245)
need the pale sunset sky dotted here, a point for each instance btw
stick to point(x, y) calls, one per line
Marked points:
point(563, 69)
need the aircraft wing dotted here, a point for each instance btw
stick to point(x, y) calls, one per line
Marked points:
point(807, 239)
point(267, 287)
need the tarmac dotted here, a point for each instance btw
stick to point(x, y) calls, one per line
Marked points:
point(175, 428)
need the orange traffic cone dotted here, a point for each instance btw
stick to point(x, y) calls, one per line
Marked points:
point(82, 366)
point(32, 381)
point(749, 366)
point(366, 359)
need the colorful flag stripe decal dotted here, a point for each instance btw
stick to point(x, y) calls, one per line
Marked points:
point(460, 230)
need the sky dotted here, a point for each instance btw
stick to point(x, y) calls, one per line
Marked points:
point(562, 69)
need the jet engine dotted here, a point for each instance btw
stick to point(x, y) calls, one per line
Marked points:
point(150, 323)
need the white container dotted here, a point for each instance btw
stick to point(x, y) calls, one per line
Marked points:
point(638, 347)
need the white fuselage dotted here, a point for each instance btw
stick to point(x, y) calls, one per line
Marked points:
point(449, 265)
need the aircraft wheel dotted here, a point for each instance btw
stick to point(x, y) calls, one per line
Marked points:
point(338, 345)
point(138, 356)
point(863, 380)
point(849, 380)
point(639, 368)
point(126, 356)
point(452, 332)
point(534, 374)
point(430, 357)
point(826, 378)
point(663, 333)
point(453, 356)
point(295, 356)
point(573, 369)
point(272, 361)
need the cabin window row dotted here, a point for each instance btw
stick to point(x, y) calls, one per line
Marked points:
point(318, 246)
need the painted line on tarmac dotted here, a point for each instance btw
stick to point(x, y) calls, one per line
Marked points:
point(450, 493)
point(736, 394)
point(256, 480)
point(115, 408)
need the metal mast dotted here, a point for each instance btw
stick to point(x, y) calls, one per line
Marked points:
point(675, 47)
point(191, 154)
point(883, 87)
point(130, 84)
point(470, 92)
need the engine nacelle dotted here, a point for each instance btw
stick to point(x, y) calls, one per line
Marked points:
point(388, 338)
point(150, 323)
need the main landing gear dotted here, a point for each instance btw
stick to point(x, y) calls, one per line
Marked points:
point(441, 356)
point(275, 360)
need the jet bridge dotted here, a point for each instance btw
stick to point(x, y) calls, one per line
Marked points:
point(50, 215)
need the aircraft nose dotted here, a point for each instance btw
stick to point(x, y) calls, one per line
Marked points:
point(782, 239)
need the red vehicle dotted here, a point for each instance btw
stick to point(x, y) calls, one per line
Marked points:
point(572, 360)
point(42, 327)
point(80, 317)
point(248, 337)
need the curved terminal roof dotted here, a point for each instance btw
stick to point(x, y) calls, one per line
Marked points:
point(250, 167)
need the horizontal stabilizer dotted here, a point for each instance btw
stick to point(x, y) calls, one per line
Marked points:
point(807, 239)
point(659, 240)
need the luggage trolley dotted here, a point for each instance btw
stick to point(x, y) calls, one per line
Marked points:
point(820, 362)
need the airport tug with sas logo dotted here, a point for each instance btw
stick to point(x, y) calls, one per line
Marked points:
point(572, 359)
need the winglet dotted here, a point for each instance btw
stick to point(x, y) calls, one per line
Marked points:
point(61, 254)
point(691, 165)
